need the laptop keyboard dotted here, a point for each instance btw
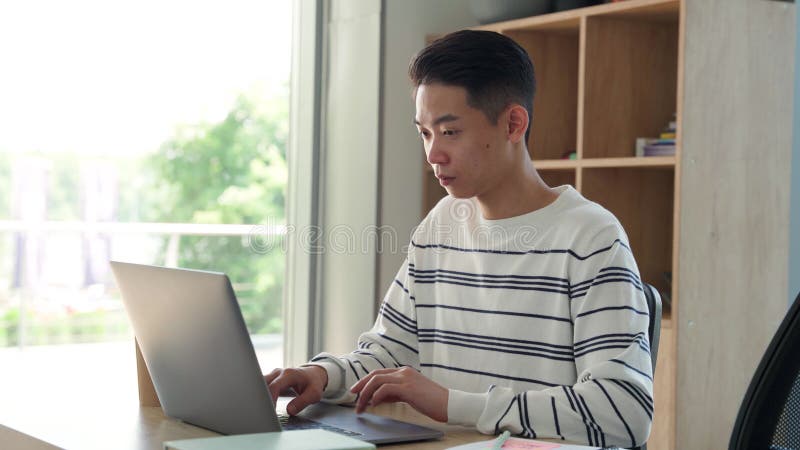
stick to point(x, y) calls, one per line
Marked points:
point(298, 423)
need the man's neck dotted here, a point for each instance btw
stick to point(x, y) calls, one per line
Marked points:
point(522, 193)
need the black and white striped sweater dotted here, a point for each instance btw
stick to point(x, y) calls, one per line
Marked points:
point(536, 324)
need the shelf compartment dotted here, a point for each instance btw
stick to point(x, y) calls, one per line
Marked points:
point(558, 22)
point(558, 177)
point(651, 10)
point(631, 76)
point(642, 198)
point(570, 19)
point(432, 191)
point(554, 128)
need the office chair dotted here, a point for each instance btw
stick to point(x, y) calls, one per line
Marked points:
point(653, 328)
point(769, 417)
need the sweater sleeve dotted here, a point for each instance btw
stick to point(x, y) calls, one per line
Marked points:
point(392, 342)
point(611, 404)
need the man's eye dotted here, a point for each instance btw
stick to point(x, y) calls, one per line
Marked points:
point(449, 132)
point(423, 134)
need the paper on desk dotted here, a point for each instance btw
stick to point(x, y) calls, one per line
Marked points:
point(521, 444)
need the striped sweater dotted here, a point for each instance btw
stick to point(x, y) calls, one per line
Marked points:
point(536, 324)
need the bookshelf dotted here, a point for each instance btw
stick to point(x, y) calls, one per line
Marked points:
point(606, 75)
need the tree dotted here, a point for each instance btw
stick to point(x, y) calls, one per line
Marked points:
point(5, 185)
point(231, 172)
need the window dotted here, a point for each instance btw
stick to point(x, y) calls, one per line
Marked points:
point(151, 132)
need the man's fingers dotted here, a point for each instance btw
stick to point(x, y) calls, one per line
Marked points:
point(283, 381)
point(307, 397)
point(274, 393)
point(387, 393)
point(363, 382)
point(272, 375)
point(367, 390)
point(356, 388)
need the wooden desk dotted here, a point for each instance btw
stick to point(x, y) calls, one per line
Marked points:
point(60, 404)
point(145, 428)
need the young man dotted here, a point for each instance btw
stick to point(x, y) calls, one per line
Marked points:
point(519, 306)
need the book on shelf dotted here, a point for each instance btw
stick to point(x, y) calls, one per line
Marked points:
point(659, 150)
point(663, 145)
point(655, 147)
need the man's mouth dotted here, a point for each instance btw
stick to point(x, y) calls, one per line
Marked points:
point(445, 180)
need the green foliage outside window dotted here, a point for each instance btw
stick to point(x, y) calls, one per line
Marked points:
point(5, 183)
point(231, 172)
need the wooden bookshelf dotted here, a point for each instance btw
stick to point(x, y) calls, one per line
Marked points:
point(643, 162)
point(607, 75)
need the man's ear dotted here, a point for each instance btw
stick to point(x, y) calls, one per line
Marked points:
point(517, 122)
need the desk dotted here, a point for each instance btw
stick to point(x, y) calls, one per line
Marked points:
point(145, 428)
point(50, 400)
point(60, 404)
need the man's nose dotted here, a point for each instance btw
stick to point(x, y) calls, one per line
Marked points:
point(436, 154)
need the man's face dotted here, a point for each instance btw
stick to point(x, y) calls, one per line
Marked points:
point(467, 152)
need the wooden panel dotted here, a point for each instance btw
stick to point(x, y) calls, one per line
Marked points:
point(662, 435)
point(555, 59)
point(642, 200)
point(432, 192)
point(630, 84)
point(147, 392)
point(735, 170)
point(565, 20)
point(555, 178)
point(581, 120)
point(558, 164)
point(648, 161)
point(21, 441)
point(661, 11)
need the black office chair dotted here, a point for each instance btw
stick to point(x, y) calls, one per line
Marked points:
point(769, 417)
point(653, 328)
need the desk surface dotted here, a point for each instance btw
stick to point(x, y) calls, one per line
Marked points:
point(145, 428)
point(60, 403)
point(50, 400)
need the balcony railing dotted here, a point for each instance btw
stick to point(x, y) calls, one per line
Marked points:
point(22, 323)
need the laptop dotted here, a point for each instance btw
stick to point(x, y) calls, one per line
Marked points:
point(203, 365)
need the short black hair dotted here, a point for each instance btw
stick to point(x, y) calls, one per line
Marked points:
point(493, 69)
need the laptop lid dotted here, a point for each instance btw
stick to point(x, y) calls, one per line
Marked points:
point(196, 346)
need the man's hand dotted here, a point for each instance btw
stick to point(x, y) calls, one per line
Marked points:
point(308, 382)
point(402, 385)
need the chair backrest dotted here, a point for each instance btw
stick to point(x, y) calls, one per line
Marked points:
point(654, 328)
point(769, 417)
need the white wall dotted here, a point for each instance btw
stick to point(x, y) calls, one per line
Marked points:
point(370, 157)
point(406, 24)
point(349, 172)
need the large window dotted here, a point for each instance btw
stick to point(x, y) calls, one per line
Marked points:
point(151, 132)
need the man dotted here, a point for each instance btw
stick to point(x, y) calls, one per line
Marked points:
point(519, 306)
